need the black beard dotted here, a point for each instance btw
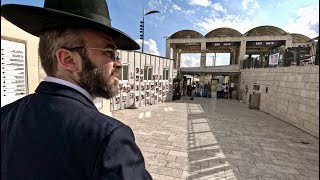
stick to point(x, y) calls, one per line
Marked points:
point(96, 80)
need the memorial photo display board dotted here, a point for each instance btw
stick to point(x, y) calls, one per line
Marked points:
point(145, 84)
point(13, 71)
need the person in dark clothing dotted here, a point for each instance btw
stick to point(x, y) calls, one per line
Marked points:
point(57, 133)
point(189, 90)
point(193, 88)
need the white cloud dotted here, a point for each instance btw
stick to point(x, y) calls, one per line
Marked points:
point(176, 7)
point(231, 21)
point(250, 6)
point(189, 12)
point(200, 2)
point(150, 46)
point(306, 22)
point(218, 7)
point(190, 60)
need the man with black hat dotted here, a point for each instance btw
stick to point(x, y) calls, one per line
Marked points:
point(57, 132)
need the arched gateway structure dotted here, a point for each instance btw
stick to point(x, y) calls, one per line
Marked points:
point(261, 41)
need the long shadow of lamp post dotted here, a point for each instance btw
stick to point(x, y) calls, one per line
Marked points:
point(134, 106)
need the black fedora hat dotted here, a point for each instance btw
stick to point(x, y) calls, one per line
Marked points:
point(67, 13)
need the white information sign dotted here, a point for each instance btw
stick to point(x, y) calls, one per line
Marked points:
point(13, 71)
point(274, 59)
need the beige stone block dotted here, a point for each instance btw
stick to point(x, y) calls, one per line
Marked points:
point(304, 93)
point(178, 153)
point(176, 173)
point(302, 107)
point(313, 119)
point(162, 177)
point(310, 126)
point(312, 94)
point(313, 78)
point(155, 161)
point(291, 111)
point(299, 78)
point(313, 111)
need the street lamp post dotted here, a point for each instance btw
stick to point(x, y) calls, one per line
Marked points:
point(214, 59)
point(142, 27)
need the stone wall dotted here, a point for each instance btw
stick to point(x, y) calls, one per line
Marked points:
point(292, 95)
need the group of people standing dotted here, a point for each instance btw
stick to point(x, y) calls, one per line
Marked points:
point(222, 90)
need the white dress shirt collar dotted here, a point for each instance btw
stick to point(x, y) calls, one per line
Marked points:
point(69, 84)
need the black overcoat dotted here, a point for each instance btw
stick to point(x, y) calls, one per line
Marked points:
point(57, 133)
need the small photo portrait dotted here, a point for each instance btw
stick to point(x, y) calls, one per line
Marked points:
point(148, 86)
point(141, 79)
point(153, 77)
point(131, 95)
point(152, 95)
point(147, 94)
point(131, 75)
point(124, 98)
point(141, 71)
point(155, 83)
point(137, 70)
point(137, 87)
point(152, 87)
point(137, 78)
point(160, 77)
point(117, 100)
point(142, 97)
point(148, 101)
point(137, 98)
point(142, 88)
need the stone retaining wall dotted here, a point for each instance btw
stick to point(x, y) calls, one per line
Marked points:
point(292, 95)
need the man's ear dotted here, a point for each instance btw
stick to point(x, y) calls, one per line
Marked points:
point(67, 59)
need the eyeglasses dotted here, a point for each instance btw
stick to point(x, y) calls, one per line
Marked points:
point(108, 52)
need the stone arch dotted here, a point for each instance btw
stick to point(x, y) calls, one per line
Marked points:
point(186, 34)
point(265, 31)
point(299, 38)
point(223, 32)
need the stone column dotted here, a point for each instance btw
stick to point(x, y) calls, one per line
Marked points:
point(179, 59)
point(242, 52)
point(167, 49)
point(175, 58)
point(203, 55)
point(288, 42)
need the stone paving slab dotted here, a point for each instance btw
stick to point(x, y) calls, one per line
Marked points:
point(220, 139)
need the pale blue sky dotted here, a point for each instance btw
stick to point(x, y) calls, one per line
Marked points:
point(294, 16)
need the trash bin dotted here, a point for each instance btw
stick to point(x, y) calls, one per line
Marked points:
point(254, 101)
point(234, 95)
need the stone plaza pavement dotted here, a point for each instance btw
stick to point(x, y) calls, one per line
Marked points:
point(220, 139)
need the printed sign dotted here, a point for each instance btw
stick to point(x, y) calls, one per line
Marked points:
point(214, 44)
point(13, 71)
point(274, 59)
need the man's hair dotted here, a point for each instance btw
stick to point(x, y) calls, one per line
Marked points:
point(51, 40)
